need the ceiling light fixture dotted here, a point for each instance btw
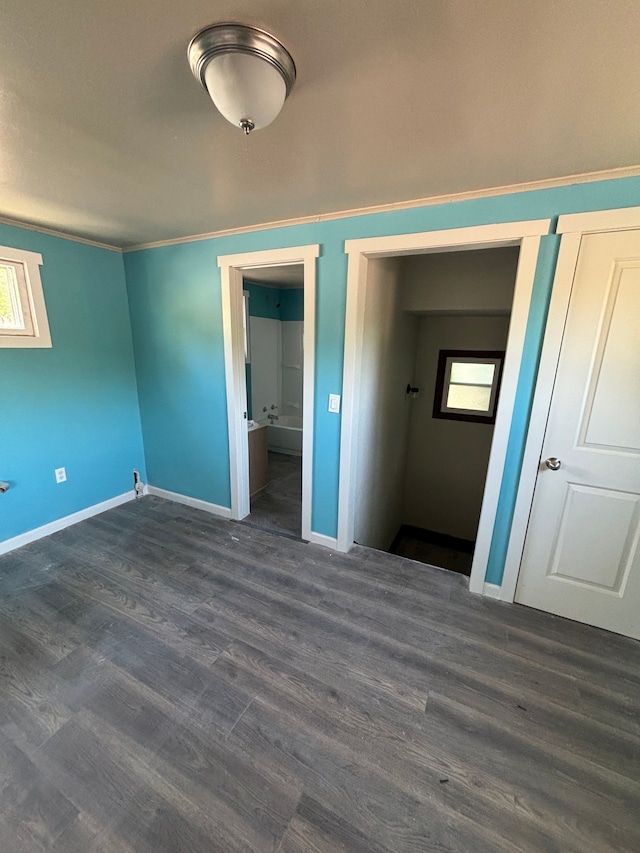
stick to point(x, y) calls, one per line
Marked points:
point(247, 72)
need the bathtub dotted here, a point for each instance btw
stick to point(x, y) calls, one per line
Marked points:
point(285, 435)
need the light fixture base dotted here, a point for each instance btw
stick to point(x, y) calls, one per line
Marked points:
point(239, 38)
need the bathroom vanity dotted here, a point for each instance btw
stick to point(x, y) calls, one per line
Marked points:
point(258, 459)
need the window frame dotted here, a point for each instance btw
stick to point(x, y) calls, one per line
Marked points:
point(445, 357)
point(32, 302)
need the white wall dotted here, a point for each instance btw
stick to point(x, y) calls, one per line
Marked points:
point(447, 461)
point(291, 367)
point(388, 359)
point(265, 365)
point(276, 366)
point(478, 281)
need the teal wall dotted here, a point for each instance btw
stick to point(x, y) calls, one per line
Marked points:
point(74, 405)
point(273, 303)
point(174, 297)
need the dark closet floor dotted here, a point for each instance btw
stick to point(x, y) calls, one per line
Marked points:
point(434, 549)
point(278, 507)
point(171, 682)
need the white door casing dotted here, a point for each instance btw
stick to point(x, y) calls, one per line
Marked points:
point(231, 270)
point(581, 557)
point(527, 234)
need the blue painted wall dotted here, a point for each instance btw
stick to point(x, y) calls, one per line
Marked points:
point(275, 304)
point(74, 405)
point(174, 297)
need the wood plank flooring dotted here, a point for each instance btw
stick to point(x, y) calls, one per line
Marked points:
point(278, 507)
point(170, 681)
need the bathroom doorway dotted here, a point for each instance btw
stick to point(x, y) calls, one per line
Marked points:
point(274, 312)
point(274, 369)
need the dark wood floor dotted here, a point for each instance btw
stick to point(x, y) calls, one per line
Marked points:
point(175, 682)
point(278, 507)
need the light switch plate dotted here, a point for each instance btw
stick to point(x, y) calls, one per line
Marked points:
point(334, 403)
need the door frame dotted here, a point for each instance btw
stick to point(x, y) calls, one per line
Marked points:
point(232, 268)
point(571, 227)
point(525, 234)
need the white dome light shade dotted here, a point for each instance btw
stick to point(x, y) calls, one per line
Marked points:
point(247, 72)
point(245, 88)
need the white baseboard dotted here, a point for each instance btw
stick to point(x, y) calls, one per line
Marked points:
point(326, 541)
point(61, 523)
point(491, 590)
point(196, 503)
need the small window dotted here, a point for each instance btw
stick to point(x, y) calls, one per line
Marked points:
point(23, 314)
point(467, 385)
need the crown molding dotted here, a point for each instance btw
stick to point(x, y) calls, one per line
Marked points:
point(29, 226)
point(429, 201)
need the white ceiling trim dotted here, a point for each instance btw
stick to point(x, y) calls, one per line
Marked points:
point(29, 226)
point(547, 183)
point(530, 186)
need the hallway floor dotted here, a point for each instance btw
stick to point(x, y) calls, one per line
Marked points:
point(278, 507)
point(172, 682)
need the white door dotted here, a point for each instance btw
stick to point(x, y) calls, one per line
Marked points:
point(581, 557)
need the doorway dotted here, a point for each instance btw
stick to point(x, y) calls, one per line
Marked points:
point(274, 310)
point(435, 335)
point(526, 236)
point(235, 271)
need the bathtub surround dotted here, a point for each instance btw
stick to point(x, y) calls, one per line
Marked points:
point(276, 332)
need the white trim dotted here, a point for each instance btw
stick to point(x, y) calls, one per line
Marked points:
point(325, 541)
point(196, 503)
point(61, 523)
point(41, 337)
point(527, 234)
point(600, 220)
point(231, 268)
point(476, 236)
point(491, 590)
point(556, 319)
point(40, 229)
point(428, 201)
point(525, 275)
point(235, 380)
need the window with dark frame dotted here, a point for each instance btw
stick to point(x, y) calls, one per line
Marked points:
point(467, 385)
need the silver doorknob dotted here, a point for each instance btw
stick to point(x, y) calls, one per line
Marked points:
point(552, 463)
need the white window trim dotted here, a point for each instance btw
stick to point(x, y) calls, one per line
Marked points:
point(31, 262)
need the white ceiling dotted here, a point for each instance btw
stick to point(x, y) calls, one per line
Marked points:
point(106, 134)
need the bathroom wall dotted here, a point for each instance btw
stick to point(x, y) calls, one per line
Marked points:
point(385, 407)
point(275, 373)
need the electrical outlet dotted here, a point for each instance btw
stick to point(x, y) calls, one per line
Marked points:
point(334, 403)
point(61, 475)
